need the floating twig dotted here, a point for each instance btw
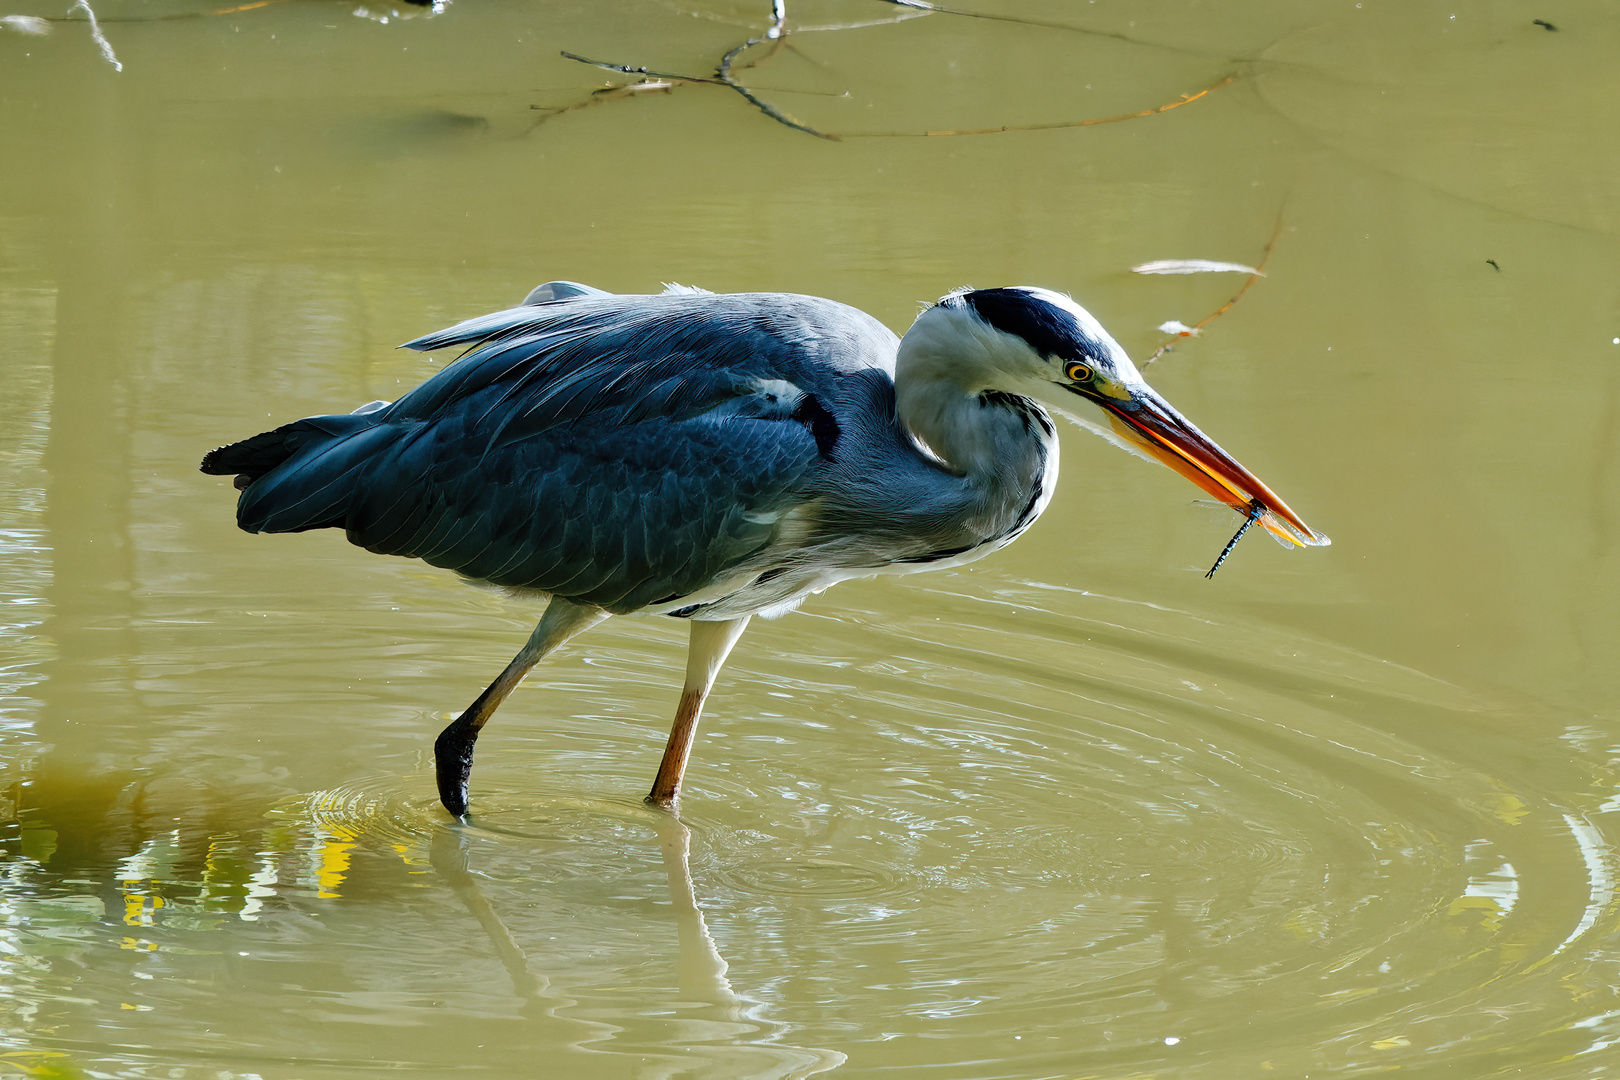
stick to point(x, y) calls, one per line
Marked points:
point(724, 72)
point(646, 72)
point(176, 16)
point(940, 9)
point(246, 7)
point(1183, 330)
point(1184, 99)
point(650, 82)
point(609, 93)
point(775, 36)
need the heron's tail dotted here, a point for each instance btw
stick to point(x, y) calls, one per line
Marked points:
point(301, 475)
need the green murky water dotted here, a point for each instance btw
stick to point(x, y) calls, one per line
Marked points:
point(1071, 812)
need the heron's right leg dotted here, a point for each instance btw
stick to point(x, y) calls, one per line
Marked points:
point(711, 644)
point(453, 751)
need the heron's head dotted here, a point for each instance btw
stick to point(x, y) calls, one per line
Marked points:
point(1043, 345)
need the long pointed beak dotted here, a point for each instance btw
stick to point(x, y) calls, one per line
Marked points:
point(1149, 421)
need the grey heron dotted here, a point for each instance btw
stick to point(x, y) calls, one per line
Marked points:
point(713, 457)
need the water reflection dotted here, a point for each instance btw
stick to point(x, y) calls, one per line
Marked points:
point(729, 1033)
point(1116, 870)
point(186, 895)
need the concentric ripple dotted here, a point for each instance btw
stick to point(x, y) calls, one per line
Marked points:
point(1032, 834)
point(1213, 835)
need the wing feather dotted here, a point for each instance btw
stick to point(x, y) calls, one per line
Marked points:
point(618, 450)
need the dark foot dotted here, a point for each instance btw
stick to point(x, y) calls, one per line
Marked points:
point(452, 760)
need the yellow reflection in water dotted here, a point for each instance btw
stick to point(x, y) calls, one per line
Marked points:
point(334, 863)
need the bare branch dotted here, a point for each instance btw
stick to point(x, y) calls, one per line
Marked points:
point(1189, 331)
point(1185, 99)
point(776, 36)
point(648, 72)
point(724, 72)
point(940, 9)
point(722, 76)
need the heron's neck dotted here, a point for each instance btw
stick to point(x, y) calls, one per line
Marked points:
point(950, 405)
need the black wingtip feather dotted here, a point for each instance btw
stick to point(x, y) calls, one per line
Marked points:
point(253, 457)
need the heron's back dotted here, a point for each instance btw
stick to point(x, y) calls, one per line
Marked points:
point(622, 451)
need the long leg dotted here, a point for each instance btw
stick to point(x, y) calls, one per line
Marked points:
point(453, 751)
point(711, 642)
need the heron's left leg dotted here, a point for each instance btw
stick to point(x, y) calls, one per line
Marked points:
point(711, 643)
point(453, 750)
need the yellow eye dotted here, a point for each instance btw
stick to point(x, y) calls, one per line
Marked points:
point(1077, 372)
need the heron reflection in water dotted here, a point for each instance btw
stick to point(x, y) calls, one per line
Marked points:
point(715, 457)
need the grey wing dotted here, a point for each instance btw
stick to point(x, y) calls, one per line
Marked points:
point(622, 451)
point(635, 357)
point(621, 517)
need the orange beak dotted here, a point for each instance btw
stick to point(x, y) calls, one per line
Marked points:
point(1149, 421)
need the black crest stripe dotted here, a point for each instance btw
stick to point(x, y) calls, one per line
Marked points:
point(1049, 329)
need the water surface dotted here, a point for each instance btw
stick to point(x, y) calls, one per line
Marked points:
point(1073, 811)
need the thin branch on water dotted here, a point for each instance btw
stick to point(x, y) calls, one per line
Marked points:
point(651, 82)
point(723, 77)
point(776, 37)
point(724, 71)
point(173, 16)
point(245, 7)
point(608, 94)
point(1259, 272)
point(1059, 125)
point(645, 72)
point(1019, 20)
point(666, 81)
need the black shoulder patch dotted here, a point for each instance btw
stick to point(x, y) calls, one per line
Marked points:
point(1049, 329)
point(822, 424)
